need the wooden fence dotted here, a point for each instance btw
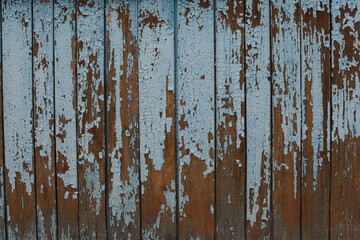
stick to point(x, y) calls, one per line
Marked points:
point(197, 119)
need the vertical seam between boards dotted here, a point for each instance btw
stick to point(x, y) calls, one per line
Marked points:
point(3, 123)
point(301, 122)
point(54, 117)
point(245, 118)
point(33, 115)
point(177, 189)
point(77, 114)
point(271, 123)
point(215, 117)
point(106, 157)
point(137, 52)
point(331, 116)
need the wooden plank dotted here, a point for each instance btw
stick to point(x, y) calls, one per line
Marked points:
point(91, 114)
point(44, 132)
point(196, 119)
point(258, 120)
point(345, 132)
point(65, 118)
point(122, 120)
point(286, 38)
point(230, 120)
point(157, 128)
point(315, 81)
point(18, 119)
point(3, 224)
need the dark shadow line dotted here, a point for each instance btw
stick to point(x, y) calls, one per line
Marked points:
point(176, 118)
point(54, 116)
point(2, 127)
point(33, 116)
point(106, 153)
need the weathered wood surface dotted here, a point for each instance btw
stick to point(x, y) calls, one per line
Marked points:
point(157, 119)
point(286, 117)
point(195, 121)
point(44, 130)
point(65, 66)
point(315, 119)
point(122, 128)
point(258, 120)
point(230, 120)
point(17, 41)
point(345, 132)
point(90, 19)
point(184, 119)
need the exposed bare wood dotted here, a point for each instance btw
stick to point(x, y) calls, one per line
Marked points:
point(230, 120)
point(157, 123)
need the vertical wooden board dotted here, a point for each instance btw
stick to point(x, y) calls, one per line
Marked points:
point(91, 114)
point(315, 80)
point(195, 119)
point(18, 123)
point(345, 155)
point(285, 34)
point(230, 120)
point(157, 128)
point(65, 118)
point(122, 120)
point(3, 224)
point(258, 120)
point(44, 138)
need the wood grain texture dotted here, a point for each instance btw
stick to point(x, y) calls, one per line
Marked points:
point(65, 118)
point(230, 120)
point(258, 120)
point(286, 101)
point(195, 122)
point(18, 119)
point(345, 145)
point(91, 114)
point(315, 82)
point(157, 119)
point(184, 119)
point(123, 120)
point(44, 139)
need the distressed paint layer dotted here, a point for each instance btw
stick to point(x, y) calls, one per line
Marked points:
point(44, 139)
point(18, 114)
point(230, 120)
point(345, 132)
point(258, 120)
point(315, 81)
point(157, 128)
point(91, 114)
point(65, 118)
point(3, 226)
point(195, 118)
point(286, 100)
point(122, 117)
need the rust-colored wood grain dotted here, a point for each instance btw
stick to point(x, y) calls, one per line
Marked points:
point(122, 120)
point(18, 119)
point(157, 119)
point(345, 145)
point(258, 120)
point(286, 129)
point(195, 121)
point(315, 80)
point(230, 120)
point(65, 118)
point(91, 119)
point(44, 139)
